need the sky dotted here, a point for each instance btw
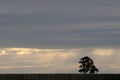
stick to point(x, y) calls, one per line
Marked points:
point(50, 36)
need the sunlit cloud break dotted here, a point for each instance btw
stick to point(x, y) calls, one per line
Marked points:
point(24, 51)
point(8, 67)
point(103, 52)
point(31, 60)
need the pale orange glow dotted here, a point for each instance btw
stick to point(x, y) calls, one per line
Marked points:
point(9, 67)
point(54, 60)
point(103, 52)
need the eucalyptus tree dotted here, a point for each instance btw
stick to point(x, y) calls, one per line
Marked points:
point(87, 66)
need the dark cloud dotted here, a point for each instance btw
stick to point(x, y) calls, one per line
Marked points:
point(86, 27)
point(59, 24)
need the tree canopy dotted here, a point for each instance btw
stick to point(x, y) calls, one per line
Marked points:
point(87, 66)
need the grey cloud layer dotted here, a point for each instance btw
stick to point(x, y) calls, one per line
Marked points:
point(59, 24)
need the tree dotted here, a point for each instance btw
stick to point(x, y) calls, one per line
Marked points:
point(87, 65)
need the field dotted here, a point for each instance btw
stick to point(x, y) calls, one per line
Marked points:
point(59, 77)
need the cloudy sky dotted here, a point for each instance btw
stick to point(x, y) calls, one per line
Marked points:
point(50, 36)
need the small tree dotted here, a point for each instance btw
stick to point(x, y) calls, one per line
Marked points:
point(87, 65)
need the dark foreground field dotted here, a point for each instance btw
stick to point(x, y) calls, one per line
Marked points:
point(59, 77)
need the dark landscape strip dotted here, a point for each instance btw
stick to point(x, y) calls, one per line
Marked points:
point(59, 76)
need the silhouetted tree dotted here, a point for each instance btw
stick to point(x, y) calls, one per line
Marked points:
point(93, 69)
point(87, 65)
